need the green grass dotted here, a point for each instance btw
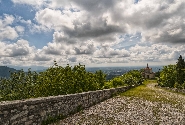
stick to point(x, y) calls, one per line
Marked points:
point(146, 93)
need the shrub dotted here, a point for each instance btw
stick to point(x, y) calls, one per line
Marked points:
point(56, 80)
point(177, 85)
point(168, 76)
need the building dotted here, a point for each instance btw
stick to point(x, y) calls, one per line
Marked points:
point(147, 73)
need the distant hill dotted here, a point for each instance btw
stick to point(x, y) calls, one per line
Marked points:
point(6, 71)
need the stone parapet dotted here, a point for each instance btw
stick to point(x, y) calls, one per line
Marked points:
point(34, 111)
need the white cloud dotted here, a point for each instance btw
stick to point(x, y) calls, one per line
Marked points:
point(56, 19)
point(53, 49)
point(6, 31)
point(158, 22)
point(155, 53)
point(39, 58)
point(29, 2)
point(107, 17)
point(90, 31)
point(8, 19)
point(20, 29)
point(20, 48)
point(107, 52)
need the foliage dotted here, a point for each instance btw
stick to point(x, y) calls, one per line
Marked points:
point(133, 77)
point(157, 74)
point(20, 85)
point(173, 75)
point(56, 80)
point(108, 84)
point(168, 76)
point(183, 85)
point(130, 78)
point(180, 73)
point(177, 85)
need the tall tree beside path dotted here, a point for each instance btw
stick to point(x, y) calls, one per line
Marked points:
point(180, 71)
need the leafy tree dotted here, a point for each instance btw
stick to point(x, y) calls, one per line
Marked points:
point(100, 76)
point(173, 75)
point(168, 76)
point(56, 80)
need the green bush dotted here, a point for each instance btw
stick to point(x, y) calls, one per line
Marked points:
point(183, 85)
point(133, 78)
point(108, 85)
point(177, 85)
point(130, 78)
point(173, 75)
point(56, 80)
point(168, 76)
point(117, 82)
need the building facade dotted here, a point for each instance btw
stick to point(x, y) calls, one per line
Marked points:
point(148, 73)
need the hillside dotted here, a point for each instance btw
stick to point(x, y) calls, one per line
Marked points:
point(5, 71)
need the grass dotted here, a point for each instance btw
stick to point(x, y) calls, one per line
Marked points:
point(150, 94)
point(154, 94)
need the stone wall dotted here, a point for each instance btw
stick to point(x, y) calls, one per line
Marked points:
point(34, 111)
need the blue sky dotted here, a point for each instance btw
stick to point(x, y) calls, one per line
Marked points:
point(94, 33)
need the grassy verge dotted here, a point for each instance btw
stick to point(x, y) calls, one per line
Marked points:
point(148, 93)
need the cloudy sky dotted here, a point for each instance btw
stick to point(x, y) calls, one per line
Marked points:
point(91, 32)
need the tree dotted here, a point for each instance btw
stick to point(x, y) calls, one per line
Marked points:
point(168, 76)
point(180, 73)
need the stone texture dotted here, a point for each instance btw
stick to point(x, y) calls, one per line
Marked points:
point(34, 111)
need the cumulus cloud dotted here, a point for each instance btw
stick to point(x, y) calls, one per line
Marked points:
point(6, 31)
point(157, 21)
point(20, 29)
point(20, 48)
point(56, 19)
point(164, 21)
point(92, 31)
point(29, 2)
point(107, 52)
point(39, 57)
point(53, 49)
point(154, 52)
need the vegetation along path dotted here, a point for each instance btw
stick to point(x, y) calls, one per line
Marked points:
point(145, 104)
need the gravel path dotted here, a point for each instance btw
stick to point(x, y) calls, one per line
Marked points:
point(124, 110)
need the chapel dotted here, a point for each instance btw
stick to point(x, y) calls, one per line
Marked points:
point(148, 73)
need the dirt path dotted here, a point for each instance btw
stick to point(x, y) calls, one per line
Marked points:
point(145, 104)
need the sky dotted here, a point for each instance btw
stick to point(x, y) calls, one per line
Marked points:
point(91, 32)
